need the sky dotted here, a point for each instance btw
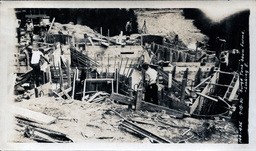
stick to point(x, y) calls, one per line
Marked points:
point(218, 13)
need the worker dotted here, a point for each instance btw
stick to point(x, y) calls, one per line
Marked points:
point(18, 30)
point(150, 84)
point(35, 63)
point(128, 27)
point(29, 28)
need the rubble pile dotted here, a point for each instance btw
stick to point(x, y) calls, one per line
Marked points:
point(82, 121)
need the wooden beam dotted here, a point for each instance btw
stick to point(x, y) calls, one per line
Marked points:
point(68, 73)
point(222, 85)
point(122, 98)
point(157, 108)
point(208, 97)
point(33, 116)
point(202, 82)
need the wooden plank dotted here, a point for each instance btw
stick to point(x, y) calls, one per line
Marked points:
point(96, 95)
point(66, 91)
point(74, 86)
point(122, 98)
point(139, 99)
point(222, 85)
point(208, 97)
point(157, 108)
point(33, 116)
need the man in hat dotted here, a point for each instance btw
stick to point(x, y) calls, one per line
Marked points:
point(29, 28)
point(35, 63)
point(151, 86)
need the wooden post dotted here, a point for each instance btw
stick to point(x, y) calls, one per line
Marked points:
point(68, 74)
point(50, 74)
point(117, 79)
point(120, 65)
point(61, 76)
point(198, 77)
point(185, 76)
point(115, 64)
point(139, 99)
point(169, 80)
point(102, 66)
point(171, 56)
point(183, 90)
point(184, 84)
point(130, 91)
point(173, 72)
point(74, 86)
point(130, 70)
point(125, 65)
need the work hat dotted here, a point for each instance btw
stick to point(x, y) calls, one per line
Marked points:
point(35, 46)
point(145, 65)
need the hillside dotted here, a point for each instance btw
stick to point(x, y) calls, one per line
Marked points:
point(170, 23)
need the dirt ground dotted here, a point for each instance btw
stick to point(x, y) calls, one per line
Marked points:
point(170, 23)
point(95, 124)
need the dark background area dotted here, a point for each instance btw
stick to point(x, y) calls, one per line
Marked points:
point(116, 19)
point(229, 28)
point(112, 19)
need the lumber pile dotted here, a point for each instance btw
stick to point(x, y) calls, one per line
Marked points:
point(97, 97)
point(33, 116)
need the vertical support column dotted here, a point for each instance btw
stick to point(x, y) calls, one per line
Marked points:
point(74, 85)
point(173, 72)
point(112, 85)
point(68, 74)
point(184, 84)
point(84, 89)
point(139, 99)
point(196, 50)
point(171, 56)
point(61, 76)
point(169, 88)
point(130, 91)
point(183, 90)
point(198, 77)
point(117, 80)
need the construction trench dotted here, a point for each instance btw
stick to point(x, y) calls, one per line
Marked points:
point(93, 90)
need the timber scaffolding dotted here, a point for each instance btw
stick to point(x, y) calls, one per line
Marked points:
point(76, 74)
point(73, 75)
point(196, 95)
point(65, 73)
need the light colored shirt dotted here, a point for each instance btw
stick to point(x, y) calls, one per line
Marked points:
point(151, 75)
point(29, 27)
point(36, 55)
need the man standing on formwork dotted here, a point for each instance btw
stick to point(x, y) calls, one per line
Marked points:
point(29, 27)
point(35, 63)
point(151, 86)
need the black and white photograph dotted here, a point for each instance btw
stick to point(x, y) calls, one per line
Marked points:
point(127, 74)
